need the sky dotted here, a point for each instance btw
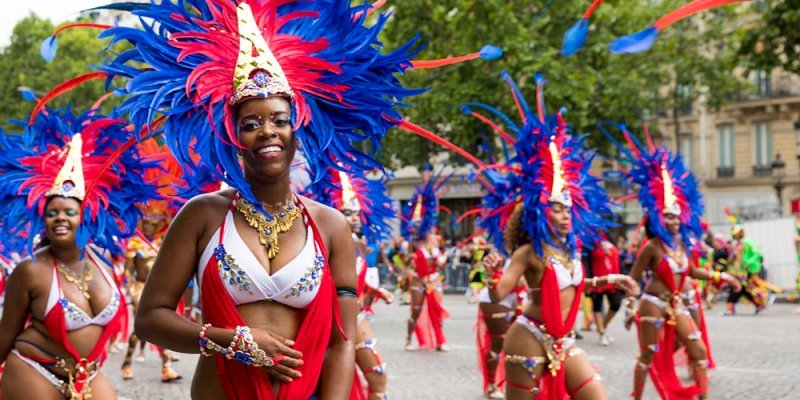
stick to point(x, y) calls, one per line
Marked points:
point(56, 10)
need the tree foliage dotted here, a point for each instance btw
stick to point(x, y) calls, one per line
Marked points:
point(22, 66)
point(773, 40)
point(593, 85)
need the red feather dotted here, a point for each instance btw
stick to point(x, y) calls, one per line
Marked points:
point(590, 10)
point(428, 64)
point(62, 88)
point(413, 128)
point(494, 126)
point(689, 9)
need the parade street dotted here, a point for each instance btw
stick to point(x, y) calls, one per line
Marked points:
point(757, 358)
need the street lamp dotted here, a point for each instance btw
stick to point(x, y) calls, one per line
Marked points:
point(778, 170)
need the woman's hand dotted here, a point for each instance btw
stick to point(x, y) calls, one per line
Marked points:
point(493, 262)
point(386, 295)
point(626, 284)
point(630, 312)
point(280, 350)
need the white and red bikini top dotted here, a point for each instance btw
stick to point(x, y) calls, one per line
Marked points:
point(564, 277)
point(75, 317)
point(246, 280)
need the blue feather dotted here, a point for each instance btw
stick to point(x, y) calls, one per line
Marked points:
point(48, 48)
point(636, 42)
point(575, 37)
point(490, 52)
point(28, 94)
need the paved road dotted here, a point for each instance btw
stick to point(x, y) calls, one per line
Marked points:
point(757, 357)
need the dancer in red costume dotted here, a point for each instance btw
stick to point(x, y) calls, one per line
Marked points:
point(604, 261)
point(419, 220)
point(673, 206)
point(368, 211)
point(546, 204)
point(73, 193)
point(242, 84)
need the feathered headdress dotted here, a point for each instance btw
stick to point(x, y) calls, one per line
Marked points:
point(195, 60)
point(550, 166)
point(420, 214)
point(88, 157)
point(366, 195)
point(666, 186)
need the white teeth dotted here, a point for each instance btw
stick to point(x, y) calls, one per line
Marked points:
point(61, 229)
point(269, 149)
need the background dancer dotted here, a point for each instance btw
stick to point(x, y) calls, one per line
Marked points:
point(419, 220)
point(368, 211)
point(67, 191)
point(668, 192)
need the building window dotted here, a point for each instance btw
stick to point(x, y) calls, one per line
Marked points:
point(685, 150)
point(763, 149)
point(725, 151)
point(763, 83)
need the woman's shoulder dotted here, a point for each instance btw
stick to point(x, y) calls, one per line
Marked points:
point(32, 269)
point(207, 206)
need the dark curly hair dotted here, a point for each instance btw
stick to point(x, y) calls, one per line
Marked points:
point(515, 235)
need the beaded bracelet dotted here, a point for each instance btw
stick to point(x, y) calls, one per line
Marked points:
point(245, 350)
point(207, 345)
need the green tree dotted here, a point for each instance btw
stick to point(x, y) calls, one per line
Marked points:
point(773, 40)
point(22, 66)
point(593, 84)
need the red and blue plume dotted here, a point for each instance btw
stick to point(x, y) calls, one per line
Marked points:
point(649, 163)
point(419, 216)
point(182, 61)
point(644, 39)
point(112, 172)
point(374, 204)
point(575, 37)
point(540, 138)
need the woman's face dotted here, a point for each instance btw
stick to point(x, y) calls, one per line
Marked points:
point(560, 218)
point(353, 218)
point(264, 128)
point(152, 224)
point(62, 219)
point(673, 223)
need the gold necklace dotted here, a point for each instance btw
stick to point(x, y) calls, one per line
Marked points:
point(564, 259)
point(80, 280)
point(268, 229)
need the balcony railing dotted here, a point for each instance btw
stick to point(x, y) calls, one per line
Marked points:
point(762, 170)
point(775, 87)
point(724, 172)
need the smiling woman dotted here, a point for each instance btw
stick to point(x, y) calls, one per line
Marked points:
point(62, 304)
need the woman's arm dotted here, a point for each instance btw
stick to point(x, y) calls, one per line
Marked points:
point(338, 370)
point(520, 261)
point(17, 305)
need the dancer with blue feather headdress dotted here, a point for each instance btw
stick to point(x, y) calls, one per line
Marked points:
point(242, 84)
point(554, 207)
point(672, 206)
point(68, 196)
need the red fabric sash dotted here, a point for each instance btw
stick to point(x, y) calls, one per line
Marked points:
point(554, 387)
point(484, 341)
point(703, 330)
point(662, 370)
point(243, 382)
point(56, 325)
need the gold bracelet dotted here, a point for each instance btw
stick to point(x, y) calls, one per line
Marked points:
point(715, 276)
